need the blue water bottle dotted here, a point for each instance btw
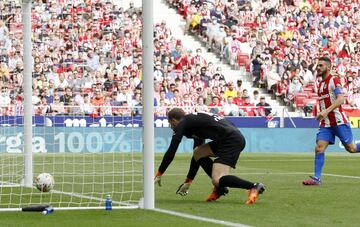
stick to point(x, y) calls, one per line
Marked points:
point(48, 210)
point(108, 203)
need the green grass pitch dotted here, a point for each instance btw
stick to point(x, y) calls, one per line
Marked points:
point(285, 203)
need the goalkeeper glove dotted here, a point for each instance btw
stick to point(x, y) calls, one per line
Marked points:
point(183, 189)
point(157, 179)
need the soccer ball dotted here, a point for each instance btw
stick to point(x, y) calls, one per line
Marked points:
point(44, 182)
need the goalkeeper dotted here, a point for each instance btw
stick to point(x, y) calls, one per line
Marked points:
point(226, 146)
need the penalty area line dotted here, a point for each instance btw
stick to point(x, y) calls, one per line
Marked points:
point(199, 218)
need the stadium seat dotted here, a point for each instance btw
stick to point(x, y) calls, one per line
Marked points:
point(313, 95)
point(243, 60)
point(310, 102)
point(299, 101)
point(302, 94)
point(308, 90)
point(327, 11)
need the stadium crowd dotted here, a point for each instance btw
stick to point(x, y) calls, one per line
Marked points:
point(278, 41)
point(87, 56)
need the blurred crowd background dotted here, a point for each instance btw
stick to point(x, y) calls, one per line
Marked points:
point(87, 56)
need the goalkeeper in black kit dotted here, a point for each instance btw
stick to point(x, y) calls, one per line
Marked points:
point(225, 146)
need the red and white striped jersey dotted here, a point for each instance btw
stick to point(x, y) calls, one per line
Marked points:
point(327, 97)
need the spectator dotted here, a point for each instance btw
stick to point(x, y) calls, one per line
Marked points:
point(263, 107)
point(57, 107)
point(67, 96)
point(230, 108)
point(98, 101)
point(200, 105)
point(92, 60)
point(73, 108)
point(212, 31)
point(107, 109)
point(256, 69)
point(215, 106)
point(354, 99)
point(124, 95)
point(4, 99)
point(294, 87)
point(273, 76)
point(230, 90)
point(248, 108)
point(238, 99)
point(158, 72)
point(256, 98)
point(87, 107)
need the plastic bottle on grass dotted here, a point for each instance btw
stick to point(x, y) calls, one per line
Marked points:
point(108, 203)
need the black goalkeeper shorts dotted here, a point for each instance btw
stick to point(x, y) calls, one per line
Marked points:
point(228, 149)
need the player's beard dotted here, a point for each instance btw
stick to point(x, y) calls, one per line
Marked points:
point(321, 73)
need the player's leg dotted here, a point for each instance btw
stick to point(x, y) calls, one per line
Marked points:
point(324, 137)
point(345, 135)
point(223, 179)
point(227, 157)
point(320, 148)
point(352, 147)
point(202, 155)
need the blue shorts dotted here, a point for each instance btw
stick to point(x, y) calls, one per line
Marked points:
point(343, 132)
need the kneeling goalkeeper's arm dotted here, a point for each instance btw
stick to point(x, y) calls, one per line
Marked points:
point(169, 155)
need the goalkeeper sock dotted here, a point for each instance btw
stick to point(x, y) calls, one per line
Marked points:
point(207, 165)
point(319, 163)
point(194, 167)
point(235, 182)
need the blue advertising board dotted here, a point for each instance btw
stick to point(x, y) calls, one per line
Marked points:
point(129, 139)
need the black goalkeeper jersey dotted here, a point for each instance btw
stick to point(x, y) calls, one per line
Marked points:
point(198, 126)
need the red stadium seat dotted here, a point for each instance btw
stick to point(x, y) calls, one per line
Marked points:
point(308, 90)
point(310, 107)
point(327, 10)
point(299, 101)
point(313, 95)
point(301, 95)
point(310, 102)
point(243, 60)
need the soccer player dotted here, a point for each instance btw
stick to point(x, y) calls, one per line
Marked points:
point(226, 144)
point(333, 121)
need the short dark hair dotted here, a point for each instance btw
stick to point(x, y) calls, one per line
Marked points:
point(176, 113)
point(325, 59)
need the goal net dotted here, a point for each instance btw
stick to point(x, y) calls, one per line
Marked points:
point(89, 158)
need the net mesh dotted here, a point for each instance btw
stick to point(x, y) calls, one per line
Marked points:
point(100, 157)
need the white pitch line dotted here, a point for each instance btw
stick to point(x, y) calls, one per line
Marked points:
point(183, 215)
point(342, 176)
point(226, 223)
point(281, 173)
point(91, 198)
point(199, 218)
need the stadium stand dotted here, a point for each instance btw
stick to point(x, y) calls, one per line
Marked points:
point(282, 39)
point(88, 54)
